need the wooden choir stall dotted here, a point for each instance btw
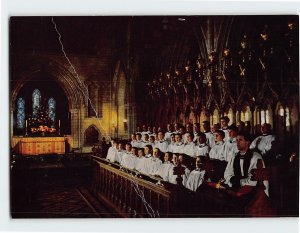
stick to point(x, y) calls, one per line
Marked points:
point(131, 194)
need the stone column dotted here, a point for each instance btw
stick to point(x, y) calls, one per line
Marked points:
point(75, 127)
point(131, 118)
point(11, 123)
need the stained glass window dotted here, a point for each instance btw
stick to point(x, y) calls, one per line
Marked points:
point(36, 101)
point(20, 113)
point(52, 110)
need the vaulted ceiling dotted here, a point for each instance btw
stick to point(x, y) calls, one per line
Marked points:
point(146, 45)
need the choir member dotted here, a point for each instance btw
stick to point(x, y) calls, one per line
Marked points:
point(172, 143)
point(176, 128)
point(189, 128)
point(196, 132)
point(210, 137)
point(154, 162)
point(133, 139)
point(149, 130)
point(183, 133)
point(141, 162)
point(112, 151)
point(264, 143)
point(154, 131)
point(120, 152)
point(217, 151)
point(172, 177)
point(238, 169)
point(138, 143)
point(148, 151)
point(224, 126)
point(164, 169)
point(130, 161)
point(126, 155)
point(144, 131)
point(241, 126)
point(169, 132)
point(189, 147)
point(152, 141)
point(230, 146)
point(145, 141)
point(197, 176)
point(202, 148)
point(138, 129)
point(178, 147)
point(162, 144)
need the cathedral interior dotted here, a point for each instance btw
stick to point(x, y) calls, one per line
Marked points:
point(76, 83)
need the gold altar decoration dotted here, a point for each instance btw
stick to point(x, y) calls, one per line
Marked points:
point(41, 145)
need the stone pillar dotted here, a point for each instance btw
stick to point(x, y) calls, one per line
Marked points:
point(131, 118)
point(12, 122)
point(75, 127)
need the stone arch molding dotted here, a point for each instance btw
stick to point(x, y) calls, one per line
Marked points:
point(92, 126)
point(73, 88)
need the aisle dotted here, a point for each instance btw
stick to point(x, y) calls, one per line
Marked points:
point(54, 192)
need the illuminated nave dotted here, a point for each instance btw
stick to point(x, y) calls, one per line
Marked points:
point(154, 116)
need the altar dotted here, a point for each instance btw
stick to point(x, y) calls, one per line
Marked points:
point(40, 145)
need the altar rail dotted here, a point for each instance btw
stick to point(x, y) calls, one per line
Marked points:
point(131, 196)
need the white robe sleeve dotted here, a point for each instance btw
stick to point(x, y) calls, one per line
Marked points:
point(229, 172)
point(253, 165)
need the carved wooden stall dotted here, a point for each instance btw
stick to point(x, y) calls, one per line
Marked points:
point(131, 196)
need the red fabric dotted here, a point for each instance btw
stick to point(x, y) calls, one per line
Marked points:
point(244, 190)
point(212, 184)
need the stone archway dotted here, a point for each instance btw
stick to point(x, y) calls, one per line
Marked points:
point(73, 88)
point(91, 136)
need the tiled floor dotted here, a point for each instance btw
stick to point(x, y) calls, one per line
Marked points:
point(44, 195)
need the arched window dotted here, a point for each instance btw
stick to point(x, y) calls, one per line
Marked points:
point(266, 116)
point(20, 113)
point(215, 117)
point(287, 118)
point(245, 114)
point(52, 110)
point(91, 135)
point(229, 114)
point(36, 102)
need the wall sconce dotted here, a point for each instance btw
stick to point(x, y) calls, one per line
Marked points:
point(125, 124)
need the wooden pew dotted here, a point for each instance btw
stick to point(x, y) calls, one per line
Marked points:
point(131, 196)
point(124, 193)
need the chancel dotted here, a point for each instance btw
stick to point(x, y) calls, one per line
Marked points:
point(154, 116)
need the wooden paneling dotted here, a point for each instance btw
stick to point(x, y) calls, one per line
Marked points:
point(129, 195)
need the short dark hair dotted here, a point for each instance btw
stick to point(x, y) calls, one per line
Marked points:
point(225, 118)
point(246, 135)
point(233, 128)
point(128, 143)
point(149, 146)
point(221, 132)
point(202, 135)
point(161, 132)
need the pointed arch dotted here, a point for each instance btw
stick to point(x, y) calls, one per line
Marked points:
point(20, 113)
point(52, 110)
point(36, 102)
point(91, 135)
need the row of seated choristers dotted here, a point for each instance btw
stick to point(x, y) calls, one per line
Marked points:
point(146, 151)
